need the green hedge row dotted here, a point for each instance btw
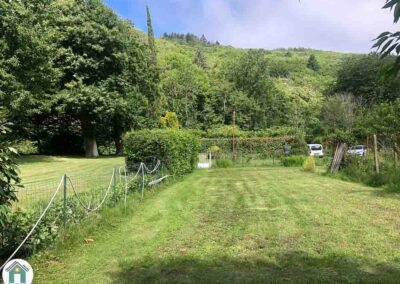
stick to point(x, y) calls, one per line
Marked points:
point(265, 147)
point(177, 149)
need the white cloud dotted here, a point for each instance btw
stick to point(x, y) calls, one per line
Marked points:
point(340, 25)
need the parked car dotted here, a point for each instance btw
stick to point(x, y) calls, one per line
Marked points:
point(315, 150)
point(359, 150)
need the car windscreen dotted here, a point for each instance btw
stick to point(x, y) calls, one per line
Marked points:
point(359, 147)
point(316, 148)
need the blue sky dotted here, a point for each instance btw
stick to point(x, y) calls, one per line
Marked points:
point(339, 25)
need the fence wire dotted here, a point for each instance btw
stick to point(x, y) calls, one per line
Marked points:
point(90, 192)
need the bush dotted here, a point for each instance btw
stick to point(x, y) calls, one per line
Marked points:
point(309, 164)
point(16, 224)
point(394, 183)
point(176, 149)
point(293, 161)
point(361, 169)
point(26, 147)
point(224, 163)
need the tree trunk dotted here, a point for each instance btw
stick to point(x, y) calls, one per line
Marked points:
point(119, 145)
point(89, 139)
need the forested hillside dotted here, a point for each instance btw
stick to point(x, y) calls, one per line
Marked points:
point(227, 78)
point(74, 71)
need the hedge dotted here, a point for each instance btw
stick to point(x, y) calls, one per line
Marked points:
point(176, 149)
point(264, 146)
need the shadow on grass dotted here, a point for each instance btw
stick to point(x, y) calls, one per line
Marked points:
point(30, 159)
point(294, 267)
point(378, 192)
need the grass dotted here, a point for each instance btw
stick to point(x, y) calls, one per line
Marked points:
point(42, 174)
point(35, 168)
point(237, 225)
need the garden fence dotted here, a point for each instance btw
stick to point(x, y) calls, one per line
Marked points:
point(84, 193)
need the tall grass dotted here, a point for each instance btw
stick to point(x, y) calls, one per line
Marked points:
point(293, 161)
point(362, 170)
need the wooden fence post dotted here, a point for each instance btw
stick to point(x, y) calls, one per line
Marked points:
point(376, 158)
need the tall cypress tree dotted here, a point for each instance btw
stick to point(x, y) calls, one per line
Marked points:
point(154, 108)
point(150, 37)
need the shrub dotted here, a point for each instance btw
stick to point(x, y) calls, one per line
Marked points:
point(309, 164)
point(26, 147)
point(361, 169)
point(170, 120)
point(16, 224)
point(394, 183)
point(214, 151)
point(176, 149)
point(224, 163)
point(293, 161)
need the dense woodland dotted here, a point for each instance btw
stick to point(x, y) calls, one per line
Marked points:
point(74, 78)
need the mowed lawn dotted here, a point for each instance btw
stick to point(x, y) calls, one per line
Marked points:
point(240, 225)
point(36, 168)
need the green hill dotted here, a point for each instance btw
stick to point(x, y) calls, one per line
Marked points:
point(287, 69)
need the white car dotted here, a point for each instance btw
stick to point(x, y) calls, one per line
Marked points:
point(359, 150)
point(315, 150)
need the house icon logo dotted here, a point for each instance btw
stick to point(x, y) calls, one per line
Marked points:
point(17, 271)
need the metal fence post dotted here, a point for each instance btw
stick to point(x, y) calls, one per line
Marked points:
point(65, 202)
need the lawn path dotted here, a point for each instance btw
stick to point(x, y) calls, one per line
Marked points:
point(245, 225)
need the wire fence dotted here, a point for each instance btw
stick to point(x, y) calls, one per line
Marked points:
point(74, 194)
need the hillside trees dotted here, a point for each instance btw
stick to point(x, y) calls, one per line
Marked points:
point(200, 60)
point(250, 74)
point(313, 63)
point(338, 117)
point(360, 76)
point(185, 87)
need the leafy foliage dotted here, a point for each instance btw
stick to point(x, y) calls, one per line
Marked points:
point(360, 76)
point(73, 68)
point(170, 120)
point(224, 163)
point(313, 63)
point(293, 161)
point(309, 164)
point(263, 147)
point(338, 117)
point(388, 42)
point(150, 37)
point(176, 149)
point(9, 179)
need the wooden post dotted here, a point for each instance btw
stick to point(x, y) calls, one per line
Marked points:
point(376, 158)
point(395, 155)
point(338, 157)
